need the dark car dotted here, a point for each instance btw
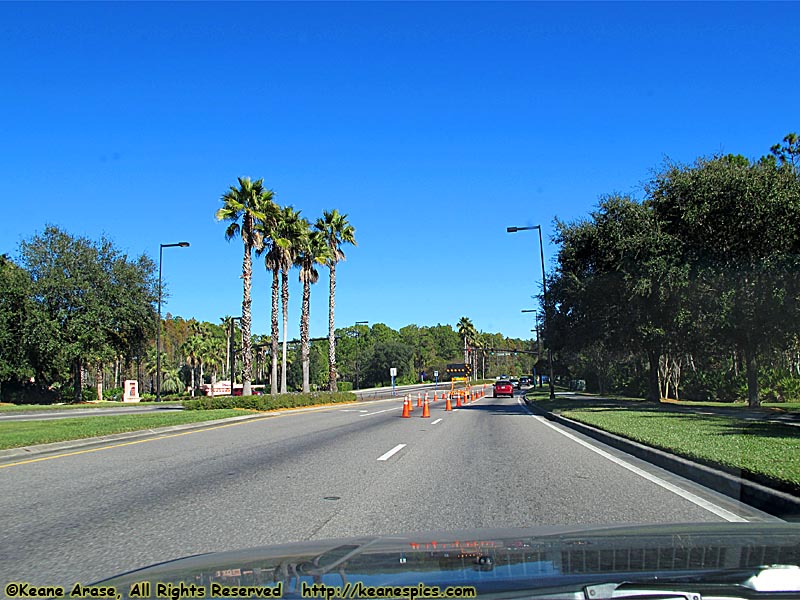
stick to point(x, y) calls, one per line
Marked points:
point(524, 381)
point(503, 388)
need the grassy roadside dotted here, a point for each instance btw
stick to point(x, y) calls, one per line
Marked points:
point(758, 450)
point(15, 434)
point(777, 406)
point(22, 408)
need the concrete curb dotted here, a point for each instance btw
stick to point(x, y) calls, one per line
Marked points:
point(774, 502)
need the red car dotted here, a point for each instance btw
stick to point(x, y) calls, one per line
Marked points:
point(503, 388)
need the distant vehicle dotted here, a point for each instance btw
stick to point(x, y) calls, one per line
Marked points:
point(253, 392)
point(524, 381)
point(503, 388)
point(515, 383)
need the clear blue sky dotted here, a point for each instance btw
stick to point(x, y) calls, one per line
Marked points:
point(433, 126)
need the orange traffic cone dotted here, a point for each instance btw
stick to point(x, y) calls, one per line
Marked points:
point(406, 415)
point(458, 399)
point(448, 406)
point(425, 410)
point(426, 397)
point(419, 400)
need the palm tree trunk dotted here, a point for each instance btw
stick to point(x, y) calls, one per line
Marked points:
point(98, 381)
point(331, 340)
point(273, 376)
point(304, 335)
point(247, 279)
point(285, 303)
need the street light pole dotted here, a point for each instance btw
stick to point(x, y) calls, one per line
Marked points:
point(544, 295)
point(158, 328)
point(357, 356)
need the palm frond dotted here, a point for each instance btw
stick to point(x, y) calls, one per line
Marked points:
point(232, 231)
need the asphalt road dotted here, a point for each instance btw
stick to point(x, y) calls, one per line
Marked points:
point(336, 471)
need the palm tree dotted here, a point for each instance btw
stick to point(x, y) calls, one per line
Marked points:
point(311, 251)
point(172, 379)
point(226, 325)
point(250, 203)
point(273, 254)
point(336, 230)
point(467, 331)
point(214, 357)
point(289, 231)
point(192, 349)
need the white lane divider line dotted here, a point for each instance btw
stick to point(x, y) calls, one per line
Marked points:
point(353, 410)
point(436, 421)
point(694, 499)
point(377, 412)
point(391, 452)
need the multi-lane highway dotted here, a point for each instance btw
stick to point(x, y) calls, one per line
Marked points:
point(322, 473)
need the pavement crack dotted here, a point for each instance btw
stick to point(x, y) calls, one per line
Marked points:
point(322, 525)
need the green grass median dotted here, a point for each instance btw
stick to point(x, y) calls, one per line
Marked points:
point(759, 450)
point(24, 408)
point(15, 434)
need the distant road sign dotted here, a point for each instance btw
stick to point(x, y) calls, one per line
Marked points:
point(393, 372)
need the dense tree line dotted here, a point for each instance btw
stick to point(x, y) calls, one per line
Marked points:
point(692, 291)
point(70, 306)
point(196, 352)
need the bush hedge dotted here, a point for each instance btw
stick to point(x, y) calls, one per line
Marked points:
point(268, 402)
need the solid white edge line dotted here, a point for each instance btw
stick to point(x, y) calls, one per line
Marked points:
point(697, 500)
point(436, 421)
point(391, 452)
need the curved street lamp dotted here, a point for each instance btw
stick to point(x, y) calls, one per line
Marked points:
point(544, 294)
point(158, 329)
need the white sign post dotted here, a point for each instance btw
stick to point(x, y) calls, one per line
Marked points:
point(130, 392)
point(393, 373)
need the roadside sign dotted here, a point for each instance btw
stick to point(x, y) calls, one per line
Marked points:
point(393, 372)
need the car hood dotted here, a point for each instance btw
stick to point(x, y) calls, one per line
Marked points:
point(492, 560)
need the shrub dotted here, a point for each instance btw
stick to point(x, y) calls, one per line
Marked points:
point(28, 393)
point(268, 402)
point(344, 386)
point(88, 394)
point(781, 389)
